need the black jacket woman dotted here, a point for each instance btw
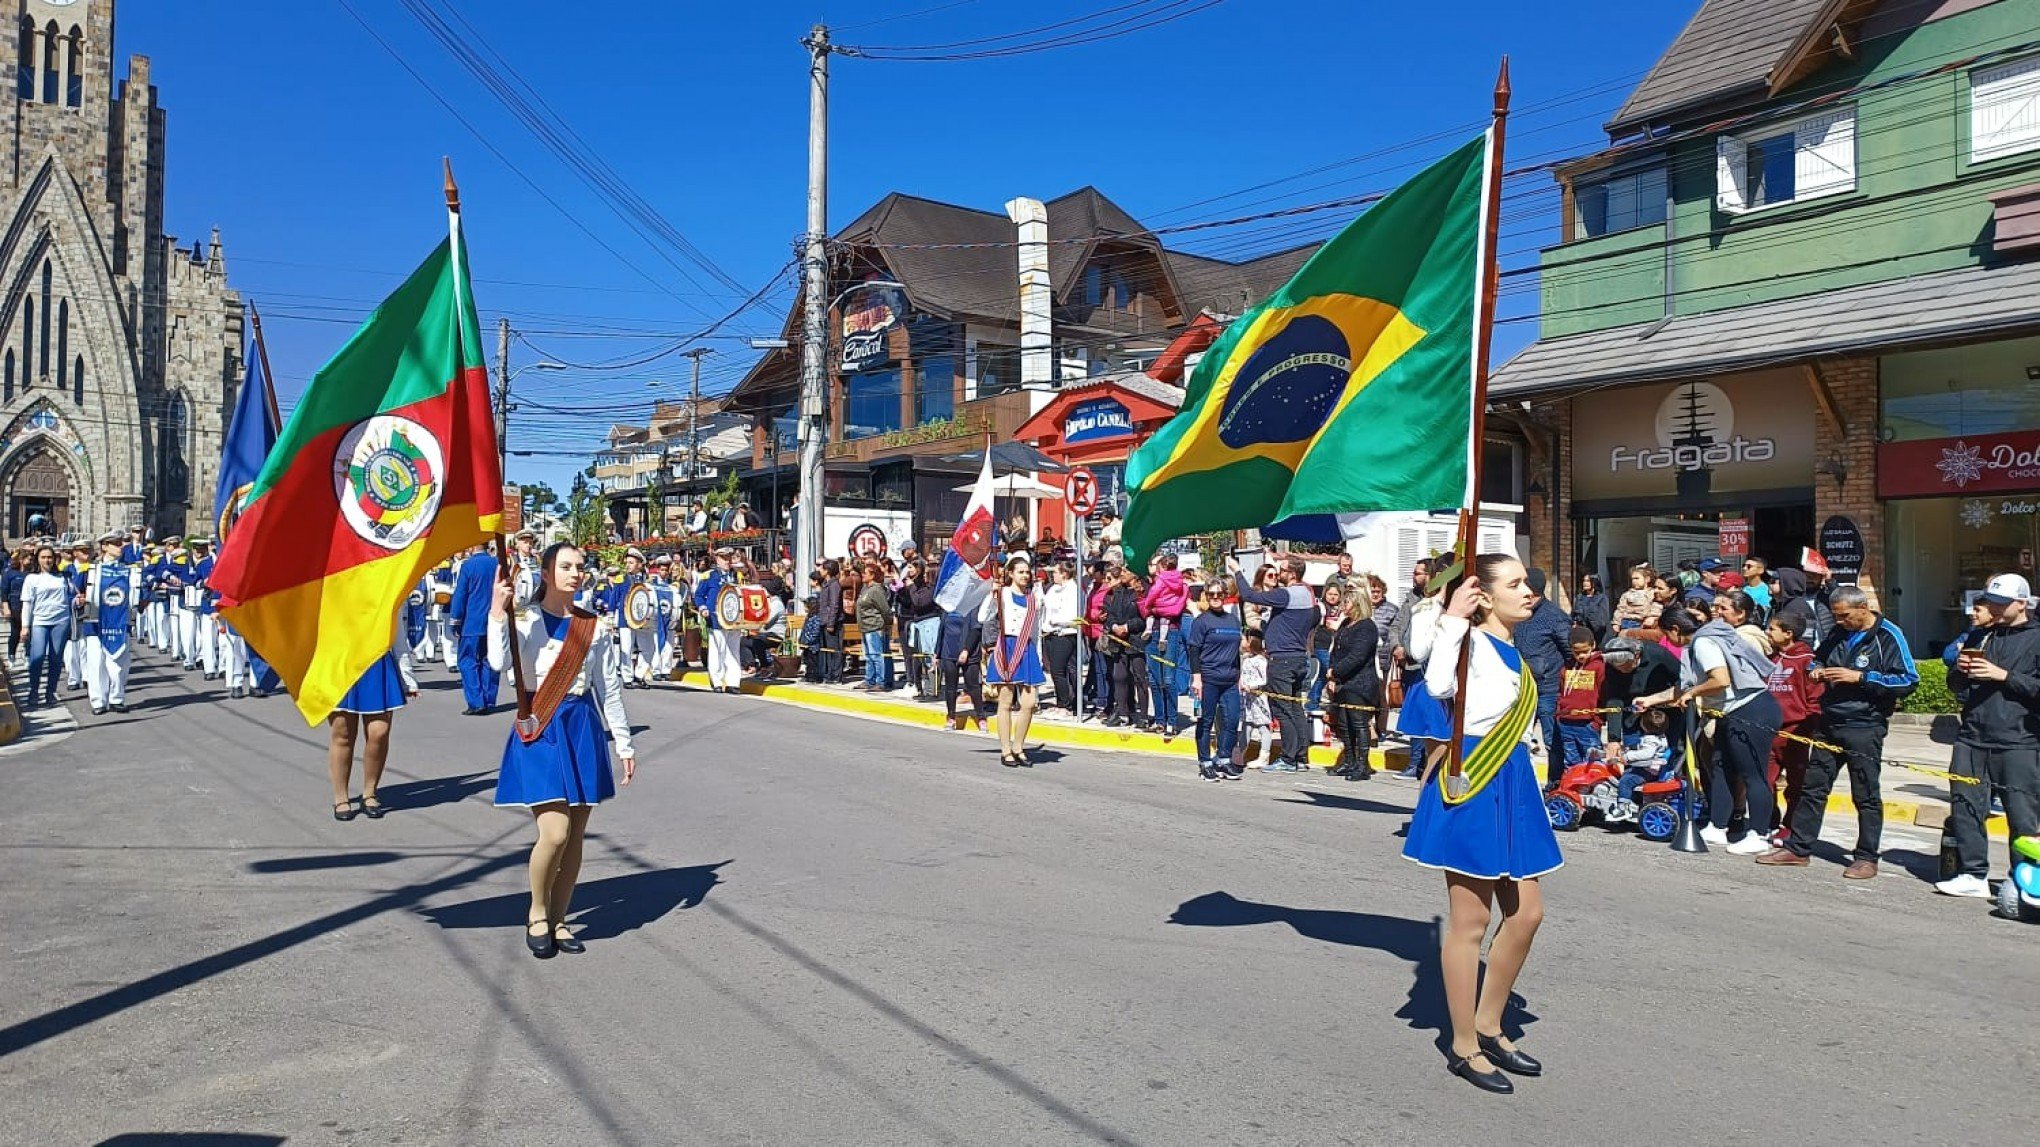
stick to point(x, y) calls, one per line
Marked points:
point(1125, 636)
point(1355, 681)
point(1591, 607)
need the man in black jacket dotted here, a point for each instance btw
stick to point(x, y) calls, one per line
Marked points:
point(1292, 615)
point(1866, 668)
point(1997, 675)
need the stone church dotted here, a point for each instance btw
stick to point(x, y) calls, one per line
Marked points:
point(119, 349)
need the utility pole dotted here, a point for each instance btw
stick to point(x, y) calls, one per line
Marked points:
point(694, 414)
point(814, 342)
point(503, 395)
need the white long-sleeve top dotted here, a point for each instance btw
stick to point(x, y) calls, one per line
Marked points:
point(601, 670)
point(1490, 684)
point(1060, 609)
point(1423, 629)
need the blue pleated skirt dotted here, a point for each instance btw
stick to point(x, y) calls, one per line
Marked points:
point(568, 763)
point(1028, 672)
point(1502, 832)
point(380, 690)
point(1421, 717)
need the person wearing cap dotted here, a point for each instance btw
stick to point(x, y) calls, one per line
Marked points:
point(666, 608)
point(112, 587)
point(75, 569)
point(1997, 676)
point(1865, 668)
point(135, 546)
point(524, 564)
point(156, 584)
point(1702, 592)
point(725, 658)
point(208, 611)
point(183, 586)
point(474, 588)
point(440, 641)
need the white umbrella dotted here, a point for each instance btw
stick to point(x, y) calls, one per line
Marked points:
point(1018, 486)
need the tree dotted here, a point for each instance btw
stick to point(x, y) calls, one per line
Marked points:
point(587, 512)
point(537, 497)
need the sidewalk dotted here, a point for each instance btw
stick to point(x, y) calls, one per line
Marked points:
point(1911, 797)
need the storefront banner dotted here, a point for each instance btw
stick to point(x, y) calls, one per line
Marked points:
point(1841, 546)
point(1694, 440)
point(1096, 419)
point(870, 312)
point(1970, 464)
point(1735, 537)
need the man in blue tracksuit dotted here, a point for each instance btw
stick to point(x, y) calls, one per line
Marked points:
point(474, 588)
point(1865, 668)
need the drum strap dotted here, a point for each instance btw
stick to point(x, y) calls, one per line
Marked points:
point(559, 678)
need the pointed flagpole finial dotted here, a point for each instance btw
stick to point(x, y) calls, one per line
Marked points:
point(1502, 90)
point(254, 317)
point(452, 190)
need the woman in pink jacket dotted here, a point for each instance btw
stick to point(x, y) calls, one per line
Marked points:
point(1165, 602)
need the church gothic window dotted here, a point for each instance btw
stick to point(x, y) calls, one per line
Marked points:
point(27, 342)
point(52, 53)
point(10, 375)
point(176, 450)
point(78, 380)
point(24, 63)
point(43, 367)
point(63, 343)
point(74, 67)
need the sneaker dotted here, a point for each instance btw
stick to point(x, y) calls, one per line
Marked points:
point(1964, 885)
point(1207, 770)
point(1784, 858)
point(1718, 837)
point(1231, 772)
point(1275, 765)
point(1750, 845)
point(1411, 773)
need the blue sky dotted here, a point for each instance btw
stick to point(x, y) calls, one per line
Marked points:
point(299, 135)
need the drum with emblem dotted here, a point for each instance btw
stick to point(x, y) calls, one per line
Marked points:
point(640, 607)
point(746, 607)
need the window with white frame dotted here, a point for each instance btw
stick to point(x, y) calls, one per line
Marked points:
point(1786, 163)
point(2004, 109)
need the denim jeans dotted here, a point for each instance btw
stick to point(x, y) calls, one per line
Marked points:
point(46, 660)
point(1219, 721)
point(1547, 725)
point(877, 660)
point(1287, 677)
point(1101, 679)
point(1323, 657)
point(1577, 740)
point(1162, 686)
point(922, 636)
point(1633, 779)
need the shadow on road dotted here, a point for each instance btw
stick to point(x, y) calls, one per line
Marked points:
point(1411, 940)
point(1353, 804)
point(191, 1139)
point(604, 908)
point(434, 791)
point(323, 861)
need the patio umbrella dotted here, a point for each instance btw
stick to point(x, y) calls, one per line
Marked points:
point(1018, 486)
point(1014, 457)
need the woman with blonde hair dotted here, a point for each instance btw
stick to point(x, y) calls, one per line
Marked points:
point(1353, 686)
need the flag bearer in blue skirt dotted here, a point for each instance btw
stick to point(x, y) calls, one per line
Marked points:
point(1486, 828)
point(556, 764)
point(364, 714)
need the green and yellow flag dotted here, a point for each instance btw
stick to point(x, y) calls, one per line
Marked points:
point(1348, 391)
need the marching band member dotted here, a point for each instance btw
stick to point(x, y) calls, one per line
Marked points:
point(725, 658)
point(469, 612)
point(1492, 838)
point(136, 548)
point(556, 763)
point(666, 598)
point(207, 621)
point(524, 564)
point(181, 583)
point(75, 568)
point(111, 589)
point(439, 627)
point(155, 580)
point(1011, 619)
point(365, 713)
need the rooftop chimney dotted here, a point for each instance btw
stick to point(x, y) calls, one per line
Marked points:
point(1037, 297)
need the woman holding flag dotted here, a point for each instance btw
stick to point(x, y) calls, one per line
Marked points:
point(1490, 835)
point(1011, 619)
point(556, 764)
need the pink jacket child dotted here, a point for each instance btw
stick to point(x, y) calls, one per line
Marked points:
point(1167, 597)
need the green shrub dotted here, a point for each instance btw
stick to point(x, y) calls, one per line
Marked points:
point(1933, 695)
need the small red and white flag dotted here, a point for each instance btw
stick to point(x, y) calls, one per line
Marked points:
point(967, 567)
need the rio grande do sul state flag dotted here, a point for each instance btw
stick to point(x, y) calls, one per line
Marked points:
point(1347, 392)
point(386, 468)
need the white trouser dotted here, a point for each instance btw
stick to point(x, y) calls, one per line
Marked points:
point(142, 624)
point(74, 662)
point(662, 657)
point(159, 625)
point(209, 642)
point(106, 673)
point(642, 645)
point(725, 661)
point(234, 654)
point(184, 645)
point(449, 643)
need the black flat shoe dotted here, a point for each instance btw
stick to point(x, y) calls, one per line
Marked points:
point(344, 810)
point(1009, 760)
point(1489, 1081)
point(1022, 759)
point(373, 808)
point(1514, 1062)
point(566, 941)
point(542, 945)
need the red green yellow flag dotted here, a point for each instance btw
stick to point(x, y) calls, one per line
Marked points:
point(387, 467)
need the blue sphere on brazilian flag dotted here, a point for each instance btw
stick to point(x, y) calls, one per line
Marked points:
point(1348, 391)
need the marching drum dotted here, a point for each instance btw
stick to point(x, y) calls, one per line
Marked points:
point(746, 607)
point(442, 596)
point(640, 608)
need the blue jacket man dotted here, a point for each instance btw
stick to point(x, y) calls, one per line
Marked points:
point(1545, 641)
point(474, 587)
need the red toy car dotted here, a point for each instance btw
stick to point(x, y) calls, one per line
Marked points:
point(1594, 789)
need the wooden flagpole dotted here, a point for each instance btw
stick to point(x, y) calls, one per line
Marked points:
point(503, 569)
point(1469, 515)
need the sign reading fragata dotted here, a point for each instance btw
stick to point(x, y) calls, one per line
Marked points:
point(1694, 440)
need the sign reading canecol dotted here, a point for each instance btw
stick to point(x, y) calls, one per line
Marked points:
point(1095, 419)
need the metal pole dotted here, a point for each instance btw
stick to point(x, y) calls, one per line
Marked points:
point(814, 335)
point(503, 395)
point(694, 414)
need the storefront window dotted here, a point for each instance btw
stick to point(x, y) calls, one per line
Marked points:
point(1979, 389)
point(1943, 550)
point(871, 403)
point(935, 391)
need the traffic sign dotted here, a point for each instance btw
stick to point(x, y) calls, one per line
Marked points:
point(1080, 490)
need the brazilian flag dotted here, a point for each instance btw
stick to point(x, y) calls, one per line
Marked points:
point(1348, 391)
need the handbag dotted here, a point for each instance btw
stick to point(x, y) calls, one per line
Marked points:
point(538, 710)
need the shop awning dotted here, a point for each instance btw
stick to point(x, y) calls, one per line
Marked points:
point(1964, 305)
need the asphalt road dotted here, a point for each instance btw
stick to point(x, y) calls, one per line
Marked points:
point(805, 928)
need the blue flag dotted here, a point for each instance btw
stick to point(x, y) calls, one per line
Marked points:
point(250, 434)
